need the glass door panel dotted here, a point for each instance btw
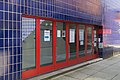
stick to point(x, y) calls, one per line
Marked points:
point(81, 40)
point(95, 41)
point(61, 41)
point(72, 41)
point(45, 42)
point(28, 43)
point(89, 40)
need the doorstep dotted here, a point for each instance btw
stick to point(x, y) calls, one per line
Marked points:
point(64, 70)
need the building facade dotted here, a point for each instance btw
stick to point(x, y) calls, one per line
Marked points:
point(39, 36)
point(111, 29)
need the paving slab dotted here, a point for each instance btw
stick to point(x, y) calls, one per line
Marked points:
point(94, 78)
point(117, 77)
point(64, 78)
point(88, 71)
point(78, 75)
point(103, 75)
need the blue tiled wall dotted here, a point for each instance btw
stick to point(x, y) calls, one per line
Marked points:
point(110, 12)
point(10, 27)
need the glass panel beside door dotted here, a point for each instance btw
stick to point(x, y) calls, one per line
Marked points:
point(61, 41)
point(81, 30)
point(45, 42)
point(28, 43)
point(89, 40)
point(72, 41)
point(95, 40)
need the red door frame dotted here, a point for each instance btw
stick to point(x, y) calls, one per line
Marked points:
point(44, 69)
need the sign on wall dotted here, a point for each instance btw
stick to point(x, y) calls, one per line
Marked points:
point(72, 36)
point(46, 35)
point(63, 33)
point(58, 33)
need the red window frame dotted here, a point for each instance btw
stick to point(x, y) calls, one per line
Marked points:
point(44, 69)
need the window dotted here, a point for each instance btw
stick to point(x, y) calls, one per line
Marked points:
point(61, 41)
point(89, 40)
point(72, 41)
point(45, 42)
point(95, 41)
point(28, 43)
point(81, 40)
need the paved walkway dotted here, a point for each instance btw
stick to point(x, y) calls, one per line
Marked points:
point(108, 69)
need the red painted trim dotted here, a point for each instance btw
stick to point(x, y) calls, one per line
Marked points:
point(29, 73)
point(54, 42)
point(33, 72)
point(61, 65)
point(37, 44)
point(67, 42)
point(92, 39)
point(86, 32)
point(77, 41)
point(97, 36)
point(45, 69)
point(58, 20)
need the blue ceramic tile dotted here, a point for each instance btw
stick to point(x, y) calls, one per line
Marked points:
point(1, 77)
point(6, 33)
point(10, 7)
point(1, 34)
point(6, 43)
point(14, 34)
point(1, 43)
point(18, 9)
point(19, 75)
point(1, 24)
point(18, 67)
point(10, 16)
point(14, 17)
point(10, 77)
point(6, 70)
point(1, 15)
point(10, 33)
point(10, 68)
point(14, 68)
point(10, 51)
point(1, 5)
point(6, 77)
point(15, 76)
point(14, 51)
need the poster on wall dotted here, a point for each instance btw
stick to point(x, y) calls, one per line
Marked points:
point(58, 33)
point(81, 34)
point(95, 39)
point(46, 35)
point(72, 36)
point(95, 44)
point(63, 33)
point(81, 43)
point(100, 45)
point(94, 33)
point(99, 39)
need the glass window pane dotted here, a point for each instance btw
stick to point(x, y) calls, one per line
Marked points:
point(95, 41)
point(89, 40)
point(81, 40)
point(61, 42)
point(72, 41)
point(28, 43)
point(45, 42)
